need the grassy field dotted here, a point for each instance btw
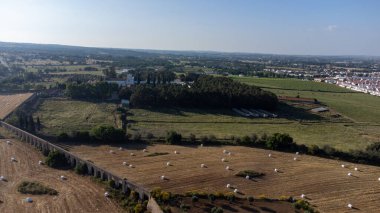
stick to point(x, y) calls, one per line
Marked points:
point(224, 123)
point(358, 106)
point(324, 182)
point(60, 115)
point(359, 126)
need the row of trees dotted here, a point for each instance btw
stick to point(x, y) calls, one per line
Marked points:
point(207, 91)
point(100, 90)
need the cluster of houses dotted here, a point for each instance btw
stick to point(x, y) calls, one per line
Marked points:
point(254, 113)
point(370, 85)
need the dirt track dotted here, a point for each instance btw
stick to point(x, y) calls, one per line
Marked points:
point(324, 182)
point(76, 194)
point(8, 103)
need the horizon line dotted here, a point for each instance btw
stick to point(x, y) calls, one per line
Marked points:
point(199, 51)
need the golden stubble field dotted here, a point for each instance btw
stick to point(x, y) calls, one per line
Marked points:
point(324, 182)
point(8, 103)
point(76, 194)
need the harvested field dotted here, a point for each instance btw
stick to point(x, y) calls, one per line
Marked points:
point(8, 103)
point(324, 182)
point(76, 194)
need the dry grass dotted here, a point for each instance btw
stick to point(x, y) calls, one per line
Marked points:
point(76, 194)
point(324, 182)
point(8, 103)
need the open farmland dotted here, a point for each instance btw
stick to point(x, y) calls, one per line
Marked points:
point(224, 123)
point(62, 115)
point(358, 106)
point(324, 182)
point(8, 103)
point(76, 194)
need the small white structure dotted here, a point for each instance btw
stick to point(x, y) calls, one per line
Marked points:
point(144, 150)
point(269, 155)
point(63, 177)
point(379, 179)
point(111, 151)
point(176, 152)
point(225, 151)
point(223, 160)
point(349, 206)
point(303, 196)
point(132, 154)
point(275, 170)
point(124, 163)
point(203, 165)
point(228, 185)
point(29, 200)
point(2, 178)
point(168, 163)
point(297, 153)
point(201, 144)
point(40, 162)
point(247, 177)
point(236, 190)
point(130, 166)
point(356, 169)
point(9, 142)
point(294, 158)
point(106, 194)
point(343, 166)
point(349, 174)
point(163, 177)
point(120, 148)
point(227, 168)
point(13, 159)
point(229, 153)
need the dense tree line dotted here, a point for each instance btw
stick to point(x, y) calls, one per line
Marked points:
point(207, 91)
point(100, 90)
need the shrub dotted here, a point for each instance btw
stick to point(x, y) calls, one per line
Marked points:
point(56, 160)
point(230, 196)
point(149, 135)
point(303, 204)
point(108, 133)
point(35, 188)
point(211, 197)
point(172, 137)
point(280, 141)
point(63, 137)
point(192, 138)
point(136, 136)
point(313, 150)
point(80, 169)
point(250, 173)
point(246, 140)
point(82, 135)
point(216, 210)
point(138, 208)
point(250, 200)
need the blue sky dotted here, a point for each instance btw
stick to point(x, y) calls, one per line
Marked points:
point(318, 27)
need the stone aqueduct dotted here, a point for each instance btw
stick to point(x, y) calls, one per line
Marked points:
point(93, 170)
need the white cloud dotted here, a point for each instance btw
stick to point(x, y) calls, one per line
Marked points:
point(331, 28)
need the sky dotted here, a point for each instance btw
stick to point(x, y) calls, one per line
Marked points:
point(302, 27)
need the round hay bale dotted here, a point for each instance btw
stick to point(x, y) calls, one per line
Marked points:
point(228, 185)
